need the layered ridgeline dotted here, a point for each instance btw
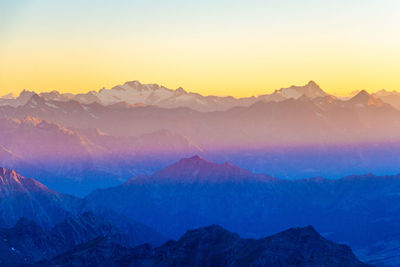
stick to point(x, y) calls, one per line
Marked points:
point(45, 222)
point(363, 211)
point(25, 197)
point(152, 94)
point(27, 242)
point(215, 246)
point(70, 143)
point(79, 160)
point(52, 229)
point(315, 117)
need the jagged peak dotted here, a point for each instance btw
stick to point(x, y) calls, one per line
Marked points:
point(26, 92)
point(363, 98)
point(312, 83)
point(11, 179)
point(362, 93)
point(8, 173)
point(134, 83)
point(199, 170)
point(310, 90)
point(180, 90)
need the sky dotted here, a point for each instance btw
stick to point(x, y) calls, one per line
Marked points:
point(218, 47)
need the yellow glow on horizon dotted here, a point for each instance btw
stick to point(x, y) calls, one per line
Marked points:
point(197, 67)
point(239, 62)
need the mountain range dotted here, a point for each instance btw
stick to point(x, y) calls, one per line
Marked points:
point(100, 237)
point(316, 120)
point(215, 246)
point(98, 141)
point(195, 193)
point(24, 197)
point(45, 222)
point(135, 93)
point(67, 159)
point(75, 147)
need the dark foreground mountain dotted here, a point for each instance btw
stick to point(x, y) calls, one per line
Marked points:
point(215, 246)
point(362, 211)
point(27, 242)
point(48, 222)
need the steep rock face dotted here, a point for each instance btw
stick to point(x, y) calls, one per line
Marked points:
point(214, 246)
point(25, 197)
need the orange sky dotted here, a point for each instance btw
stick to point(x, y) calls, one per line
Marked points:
point(242, 49)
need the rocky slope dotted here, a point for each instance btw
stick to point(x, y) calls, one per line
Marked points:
point(214, 246)
point(27, 242)
point(25, 197)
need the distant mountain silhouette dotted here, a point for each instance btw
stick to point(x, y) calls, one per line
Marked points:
point(134, 93)
point(194, 193)
point(215, 246)
point(67, 159)
point(321, 119)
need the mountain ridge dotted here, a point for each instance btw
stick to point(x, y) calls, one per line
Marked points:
point(215, 246)
point(136, 93)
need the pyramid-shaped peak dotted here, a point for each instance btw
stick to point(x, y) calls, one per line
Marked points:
point(363, 93)
point(312, 83)
point(180, 90)
point(198, 170)
point(363, 98)
point(11, 182)
point(310, 90)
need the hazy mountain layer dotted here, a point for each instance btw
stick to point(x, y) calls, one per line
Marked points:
point(362, 211)
point(80, 160)
point(152, 94)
